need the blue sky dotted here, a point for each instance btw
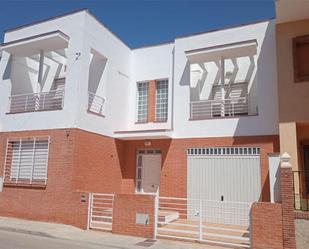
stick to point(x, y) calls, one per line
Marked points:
point(140, 23)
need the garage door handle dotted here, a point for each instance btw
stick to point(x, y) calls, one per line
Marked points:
point(222, 198)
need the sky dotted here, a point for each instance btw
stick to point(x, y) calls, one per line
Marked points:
point(141, 23)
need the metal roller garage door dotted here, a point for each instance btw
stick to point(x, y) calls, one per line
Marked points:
point(229, 174)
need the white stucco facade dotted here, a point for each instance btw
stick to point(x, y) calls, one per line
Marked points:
point(95, 59)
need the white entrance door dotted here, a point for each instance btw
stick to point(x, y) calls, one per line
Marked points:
point(151, 169)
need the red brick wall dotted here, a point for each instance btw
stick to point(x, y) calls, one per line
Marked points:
point(266, 223)
point(174, 160)
point(126, 206)
point(57, 202)
point(287, 197)
point(97, 163)
point(152, 101)
point(273, 224)
point(81, 161)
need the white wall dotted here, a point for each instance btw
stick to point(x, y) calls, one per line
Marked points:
point(124, 67)
point(114, 84)
point(151, 63)
point(267, 120)
point(71, 25)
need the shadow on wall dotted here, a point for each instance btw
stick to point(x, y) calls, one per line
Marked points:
point(23, 73)
point(96, 70)
point(8, 69)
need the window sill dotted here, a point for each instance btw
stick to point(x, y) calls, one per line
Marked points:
point(25, 185)
point(160, 121)
point(225, 117)
point(95, 113)
point(141, 122)
point(45, 110)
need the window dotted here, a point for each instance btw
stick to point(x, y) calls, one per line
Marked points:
point(27, 160)
point(301, 58)
point(142, 102)
point(161, 100)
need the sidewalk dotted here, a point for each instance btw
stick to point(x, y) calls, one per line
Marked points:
point(65, 232)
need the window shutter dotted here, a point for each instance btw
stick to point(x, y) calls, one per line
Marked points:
point(27, 160)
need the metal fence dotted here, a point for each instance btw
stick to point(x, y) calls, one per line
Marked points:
point(31, 102)
point(225, 223)
point(95, 103)
point(101, 211)
point(204, 109)
point(301, 190)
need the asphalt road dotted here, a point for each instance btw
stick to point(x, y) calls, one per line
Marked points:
point(13, 240)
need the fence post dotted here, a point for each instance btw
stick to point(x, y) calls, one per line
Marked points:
point(156, 210)
point(287, 201)
point(89, 210)
point(200, 221)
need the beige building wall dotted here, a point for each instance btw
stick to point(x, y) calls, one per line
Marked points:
point(293, 97)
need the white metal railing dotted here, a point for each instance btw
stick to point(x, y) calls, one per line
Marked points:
point(226, 223)
point(32, 102)
point(101, 211)
point(218, 108)
point(95, 103)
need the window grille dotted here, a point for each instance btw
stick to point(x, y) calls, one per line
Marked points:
point(224, 151)
point(142, 101)
point(26, 160)
point(161, 100)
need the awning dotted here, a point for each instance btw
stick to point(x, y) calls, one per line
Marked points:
point(231, 50)
point(50, 41)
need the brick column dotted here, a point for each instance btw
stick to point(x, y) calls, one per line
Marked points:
point(152, 101)
point(286, 182)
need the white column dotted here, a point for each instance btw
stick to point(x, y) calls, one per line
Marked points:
point(222, 87)
point(40, 75)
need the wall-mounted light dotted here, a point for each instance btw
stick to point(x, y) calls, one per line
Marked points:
point(147, 143)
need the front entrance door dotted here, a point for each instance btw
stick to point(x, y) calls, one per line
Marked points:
point(148, 171)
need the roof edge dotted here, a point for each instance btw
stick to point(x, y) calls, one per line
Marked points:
point(45, 20)
point(226, 27)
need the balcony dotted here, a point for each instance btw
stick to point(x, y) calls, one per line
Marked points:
point(34, 102)
point(95, 104)
point(209, 109)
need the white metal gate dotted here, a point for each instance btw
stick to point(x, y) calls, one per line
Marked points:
point(101, 211)
point(223, 223)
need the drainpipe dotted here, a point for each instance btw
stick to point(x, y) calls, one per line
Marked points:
point(222, 87)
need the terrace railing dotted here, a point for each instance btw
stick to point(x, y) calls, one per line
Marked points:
point(208, 109)
point(32, 102)
point(95, 104)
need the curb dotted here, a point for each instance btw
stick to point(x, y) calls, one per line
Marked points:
point(24, 231)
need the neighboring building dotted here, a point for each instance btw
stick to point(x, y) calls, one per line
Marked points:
point(293, 85)
point(81, 112)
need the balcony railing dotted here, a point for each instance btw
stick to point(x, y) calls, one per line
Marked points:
point(95, 104)
point(207, 109)
point(32, 102)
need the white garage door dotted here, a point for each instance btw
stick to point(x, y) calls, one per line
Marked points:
point(229, 174)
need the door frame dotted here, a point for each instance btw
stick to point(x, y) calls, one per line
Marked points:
point(149, 151)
